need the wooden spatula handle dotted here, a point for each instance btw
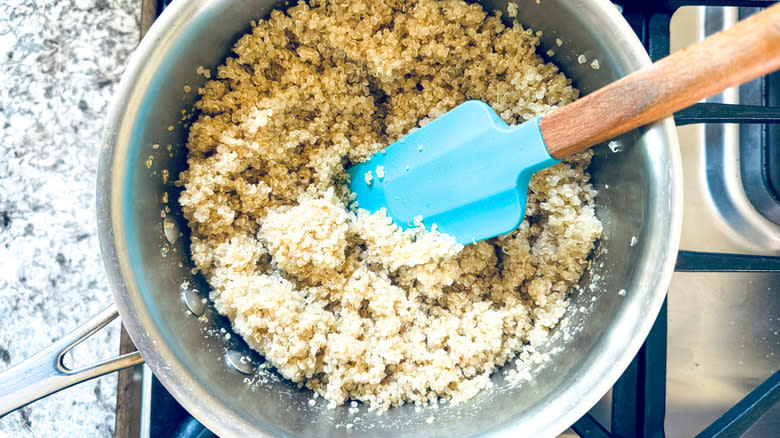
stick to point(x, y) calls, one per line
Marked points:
point(749, 49)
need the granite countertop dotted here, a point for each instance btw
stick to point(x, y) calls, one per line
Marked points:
point(60, 62)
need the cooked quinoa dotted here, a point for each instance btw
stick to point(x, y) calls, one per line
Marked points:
point(342, 301)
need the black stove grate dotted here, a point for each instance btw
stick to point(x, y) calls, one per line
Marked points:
point(639, 396)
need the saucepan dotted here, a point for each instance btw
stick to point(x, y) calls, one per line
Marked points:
point(225, 385)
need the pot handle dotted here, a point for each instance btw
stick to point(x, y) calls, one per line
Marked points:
point(45, 373)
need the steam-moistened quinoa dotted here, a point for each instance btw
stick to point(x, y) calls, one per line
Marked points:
point(343, 301)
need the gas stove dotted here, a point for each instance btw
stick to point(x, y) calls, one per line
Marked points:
point(709, 367)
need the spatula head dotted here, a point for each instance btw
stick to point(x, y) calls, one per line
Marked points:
point(467, 172)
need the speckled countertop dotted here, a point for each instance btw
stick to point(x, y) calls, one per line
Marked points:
point(60, 61)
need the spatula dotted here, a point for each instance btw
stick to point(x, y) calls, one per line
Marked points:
point(467, 172)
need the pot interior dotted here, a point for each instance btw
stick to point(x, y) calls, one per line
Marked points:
point(637, 193)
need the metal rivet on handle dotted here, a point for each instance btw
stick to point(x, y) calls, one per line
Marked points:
point(194, 302)
point(239, 361)
point(170, 229)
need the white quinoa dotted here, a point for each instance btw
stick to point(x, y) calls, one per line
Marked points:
point(341, 301)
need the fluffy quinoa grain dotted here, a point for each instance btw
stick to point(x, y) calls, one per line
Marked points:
point(343, 301)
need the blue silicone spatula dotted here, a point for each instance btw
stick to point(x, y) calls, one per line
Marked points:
point(467, 172)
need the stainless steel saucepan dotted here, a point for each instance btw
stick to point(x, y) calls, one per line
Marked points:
point(144, 242)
